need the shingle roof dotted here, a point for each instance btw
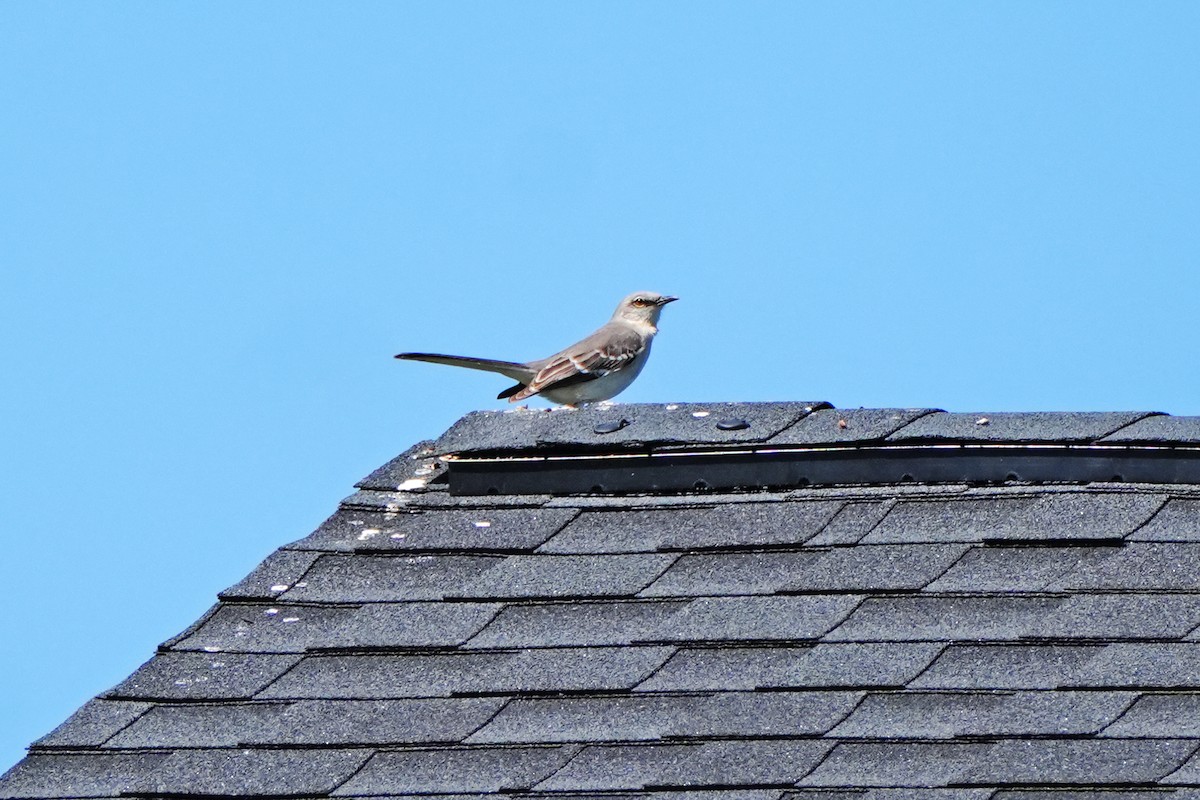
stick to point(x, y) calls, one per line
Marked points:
point(831, 638)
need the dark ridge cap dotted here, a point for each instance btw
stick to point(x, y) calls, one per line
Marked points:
point(645, 424)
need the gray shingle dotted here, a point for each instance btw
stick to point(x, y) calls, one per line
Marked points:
point(281, 628)
point(439, 675)
point(254, 772)
point(1016, 427)
point(852, 523)
point(700, 619)
point(1018, 569)
point(823, 665)
point(202, 676)
point(946, 715)
point(378, 722)
point(272, 577)
point(1141, 566)
point(76, 774)
point(1188, 773)
point(576, 623)
point(1023, 666)
point(412, 625)
point(1148, 664)
point(1159, 429)
point(453, 530)
point(456, 769)
point(647, 424)
point(1056, 516)
point(651, 717)
point(693, 528)
point(1106, 616)
point(1178, 521)
point(844, 426)
point(259, 628)
point(1165, 716)
point(314, 722)
point(566, 576)
point(194, 725)
point(724, 763)
point(93, 724)
point(899, 764)
point(881, 619)
point(1081, 761)
point(854, 569)
point(731, 573)
point(366, 579)
point(756, 618)
point(876, 567)
point(1034, 761)
point(1121, 616)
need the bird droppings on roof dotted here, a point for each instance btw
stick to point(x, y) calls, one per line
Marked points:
point(943, 638)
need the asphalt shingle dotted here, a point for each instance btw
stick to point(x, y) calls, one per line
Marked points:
point(286, 772)
point(651, 717)
point(1017, 518)
point(723, 763)
point(948, 715)
point(1015, 666)
point(566, 624)
point(1140, 566)
point(1016, 427)
point(1177, 521)
point(848, 425)
point(71, 775)
point(1158, 429)
point(443, 674)
point(937, 619)
point(94, 724)
point(740, 524)
point(202, 676)
point(1168, 716)
point(194, 725)
point(852, 523)
point(1018, 569)
point(997, 640)
point(645, 424)
point(456, 769)
point(820, 666)
point(1019, 761)
point(499, 530)
point(858, 569)
point(551, 576)
point(272, 577)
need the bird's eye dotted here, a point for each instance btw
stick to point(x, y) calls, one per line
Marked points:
point(640, 301)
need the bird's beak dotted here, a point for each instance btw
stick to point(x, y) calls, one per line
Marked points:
point(664, 300)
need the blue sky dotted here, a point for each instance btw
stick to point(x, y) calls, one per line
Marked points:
point(220, 221)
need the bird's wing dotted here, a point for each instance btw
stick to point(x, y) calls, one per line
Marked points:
point(611, 348)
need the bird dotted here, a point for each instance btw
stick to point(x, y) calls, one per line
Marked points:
point(594, 369)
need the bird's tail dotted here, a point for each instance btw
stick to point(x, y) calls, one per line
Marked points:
point(515, 370)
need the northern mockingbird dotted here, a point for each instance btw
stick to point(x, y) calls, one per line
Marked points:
point(596, 368)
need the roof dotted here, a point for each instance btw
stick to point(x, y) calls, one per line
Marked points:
point(787, 623)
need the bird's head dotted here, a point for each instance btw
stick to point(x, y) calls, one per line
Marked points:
point(642, 307)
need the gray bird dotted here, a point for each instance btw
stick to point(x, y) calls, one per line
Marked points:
point(597, 368)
